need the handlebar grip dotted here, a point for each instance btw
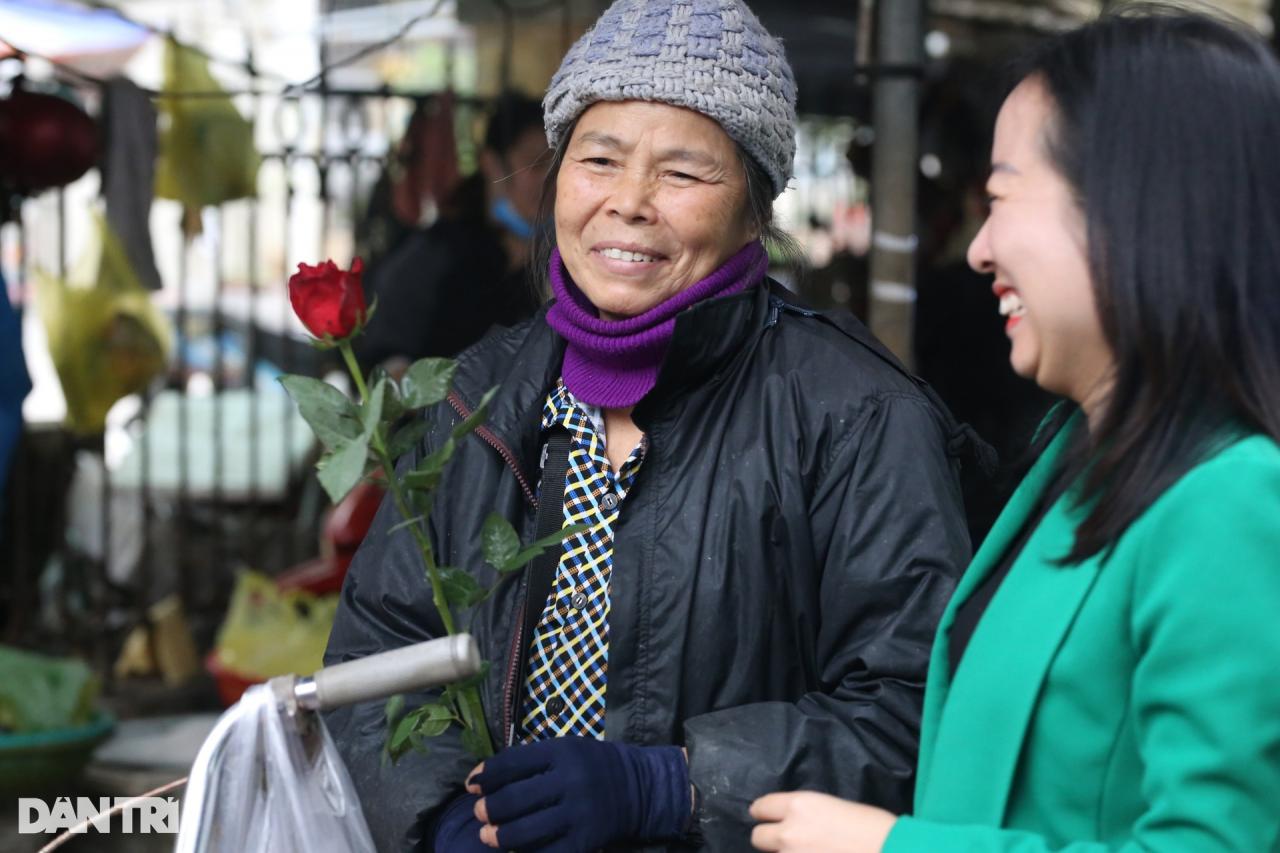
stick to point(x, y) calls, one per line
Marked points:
point(404, 670)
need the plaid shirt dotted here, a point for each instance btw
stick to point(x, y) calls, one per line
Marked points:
point(569, 660)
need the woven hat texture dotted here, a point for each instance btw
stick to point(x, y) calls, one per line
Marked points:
point(712, 56)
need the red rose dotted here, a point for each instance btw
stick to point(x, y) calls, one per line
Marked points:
point(328, 300)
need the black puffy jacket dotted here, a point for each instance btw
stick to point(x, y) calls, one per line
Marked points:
point(779, 568)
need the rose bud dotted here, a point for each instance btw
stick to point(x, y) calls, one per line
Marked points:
point(328, 300)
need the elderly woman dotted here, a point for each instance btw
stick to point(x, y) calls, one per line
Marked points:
point(1105, 678)
point(774, 521)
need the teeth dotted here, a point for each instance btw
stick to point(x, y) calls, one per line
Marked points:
point(1011, 304)
point(620, 255)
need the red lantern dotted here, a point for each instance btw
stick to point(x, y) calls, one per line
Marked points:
point(45, 141)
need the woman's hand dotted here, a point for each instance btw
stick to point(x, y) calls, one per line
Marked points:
point(457, 830)
point(576, 793)
point(818, 823)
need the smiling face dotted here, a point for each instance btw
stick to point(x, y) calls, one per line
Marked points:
point(1034, 243)
point(650, 199)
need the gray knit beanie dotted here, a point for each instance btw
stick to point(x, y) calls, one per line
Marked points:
point(712, 56)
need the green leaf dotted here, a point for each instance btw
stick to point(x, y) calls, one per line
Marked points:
point(392, 407)
point(498, 541)
point(533, 550)
point(419, 743)
point(478, 416)
point(421, 479)
point(398, 742)
point(474, 742)
point(430, 469)
point(394, 708)
point(426, 382)
point(371, 410)
point(407, 437)
point(431, 719)
point(332, 416)
point(517, 562)
point(344, 468)
point(439, 457)
point(411, 731)
point(459, 587)
point(422, 502)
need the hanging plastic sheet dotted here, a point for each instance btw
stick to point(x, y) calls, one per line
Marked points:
point(207, 154)
point(106, 337)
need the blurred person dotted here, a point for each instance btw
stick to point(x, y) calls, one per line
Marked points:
point(775, 522)
point(958, 337)
point(439, 290)
point(1103, 679)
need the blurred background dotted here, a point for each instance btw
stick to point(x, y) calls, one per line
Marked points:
point(165, 165)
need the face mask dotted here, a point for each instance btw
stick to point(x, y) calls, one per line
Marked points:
point(502, 210)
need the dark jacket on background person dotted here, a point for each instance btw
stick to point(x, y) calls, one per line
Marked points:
point(962, 351)
point(779, 569)
point(440, 290)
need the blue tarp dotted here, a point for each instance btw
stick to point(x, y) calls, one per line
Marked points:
point(65, 30)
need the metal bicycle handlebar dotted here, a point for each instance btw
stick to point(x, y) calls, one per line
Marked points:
point(417, 667)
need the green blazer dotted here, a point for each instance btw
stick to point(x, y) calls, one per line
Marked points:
point(1127, 703)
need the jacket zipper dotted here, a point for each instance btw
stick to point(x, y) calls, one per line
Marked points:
point(515, 664)
point(493, 441)
point(515, 658)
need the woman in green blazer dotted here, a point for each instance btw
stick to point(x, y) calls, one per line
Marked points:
point(1107, 676)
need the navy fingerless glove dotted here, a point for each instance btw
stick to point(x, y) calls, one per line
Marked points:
point(573, 794)
point(457, 830)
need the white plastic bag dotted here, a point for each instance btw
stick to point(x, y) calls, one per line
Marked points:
point(273, 789)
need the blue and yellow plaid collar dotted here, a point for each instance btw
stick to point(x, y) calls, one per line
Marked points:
point(585, 424)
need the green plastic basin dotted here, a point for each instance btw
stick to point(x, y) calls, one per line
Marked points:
point(37, 763)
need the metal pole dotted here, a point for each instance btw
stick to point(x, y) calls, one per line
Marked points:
point(899, 41)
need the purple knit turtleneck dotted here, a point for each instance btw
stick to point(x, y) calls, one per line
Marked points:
point(614, 363)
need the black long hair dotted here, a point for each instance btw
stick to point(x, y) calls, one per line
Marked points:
point(1167, 127)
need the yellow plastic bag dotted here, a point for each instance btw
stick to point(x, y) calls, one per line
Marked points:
point(206, 148)
point(106, 337)
point(268, 632)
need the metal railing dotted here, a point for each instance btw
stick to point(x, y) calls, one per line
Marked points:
point(209, 470)
point(176, 506)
